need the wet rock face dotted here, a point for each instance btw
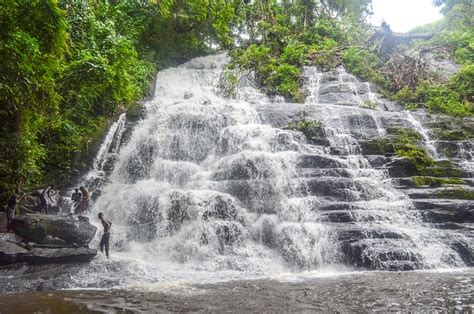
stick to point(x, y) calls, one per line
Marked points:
point(36, 227)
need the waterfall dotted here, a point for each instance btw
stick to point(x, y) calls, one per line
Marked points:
point(208, 186)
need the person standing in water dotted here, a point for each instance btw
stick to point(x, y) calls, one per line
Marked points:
point(104, 241)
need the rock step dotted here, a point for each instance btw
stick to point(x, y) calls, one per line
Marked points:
point(11, 253)
point(443, 203)
point(371, 205)
point(59, 255)
point(336, 172)
point(400, 168)
point(344, 189)
point(403, 183)
point(359, 216)
point(351, 232)
point(452, 226)
point(384, 254)
point(319, 161)
point(442, 216)
point(346, 150)
point(440, 192)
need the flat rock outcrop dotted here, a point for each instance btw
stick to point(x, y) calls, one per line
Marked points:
point(11, 253)
point(39, 255)
point(37, 227)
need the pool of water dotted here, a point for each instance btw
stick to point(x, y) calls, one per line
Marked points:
point(349, 292)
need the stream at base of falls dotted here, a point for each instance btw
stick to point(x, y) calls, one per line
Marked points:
point(419, 291)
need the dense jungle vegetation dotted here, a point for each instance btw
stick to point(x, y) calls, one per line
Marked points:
point(69, 65)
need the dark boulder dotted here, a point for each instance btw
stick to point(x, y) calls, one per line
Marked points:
point(36, 227)
point(59, 255)
point(10, 253)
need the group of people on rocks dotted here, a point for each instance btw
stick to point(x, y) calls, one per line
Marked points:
point(81, 202)
point(80, 198)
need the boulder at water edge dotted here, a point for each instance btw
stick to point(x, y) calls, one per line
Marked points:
point(36, 227)
point(10, 253)
point(59, 255)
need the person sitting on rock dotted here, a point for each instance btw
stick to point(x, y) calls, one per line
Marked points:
point(76, 197)
point(104, 241)
point(84, 203)
point(11, 207)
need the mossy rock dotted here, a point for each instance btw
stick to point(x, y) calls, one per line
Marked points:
point(441, 172)
point(448, 148)
point(379, 146)
point(457, 193)
point(402, 132)
point(453, 135)
point(434, 181)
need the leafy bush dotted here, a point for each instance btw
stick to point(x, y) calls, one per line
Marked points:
point(294, 53)
point(284, 79)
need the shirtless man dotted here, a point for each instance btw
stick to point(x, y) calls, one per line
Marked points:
point(104, 241)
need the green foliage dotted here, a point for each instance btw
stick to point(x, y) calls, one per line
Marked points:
point(69, 65)
point(454, 33)
point(454, 98)
point(284, 35)
point(283, 79)
point(312, 129)
point(294, 53)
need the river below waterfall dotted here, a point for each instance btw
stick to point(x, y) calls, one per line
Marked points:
point(420, 291)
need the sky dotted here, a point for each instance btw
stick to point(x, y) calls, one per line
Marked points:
point(403, 15)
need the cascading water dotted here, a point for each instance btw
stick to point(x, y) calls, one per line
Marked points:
point(106, 155)
point(429, 143)
point(209, 187)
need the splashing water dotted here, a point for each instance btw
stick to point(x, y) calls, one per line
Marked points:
point(204, 189)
